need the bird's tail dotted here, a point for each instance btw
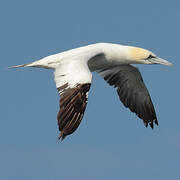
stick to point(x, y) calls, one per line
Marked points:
point(22, 65)
point(39, 63)
point(47, 62)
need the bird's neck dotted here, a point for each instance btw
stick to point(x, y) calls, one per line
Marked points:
point(115, 53)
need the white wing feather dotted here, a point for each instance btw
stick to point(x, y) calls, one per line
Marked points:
point(72, 72)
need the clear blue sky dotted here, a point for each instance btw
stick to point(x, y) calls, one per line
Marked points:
point(111, 142)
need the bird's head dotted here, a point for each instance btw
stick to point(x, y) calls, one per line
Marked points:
point(143, 56)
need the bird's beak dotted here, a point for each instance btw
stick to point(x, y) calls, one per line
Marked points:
point(158, 60)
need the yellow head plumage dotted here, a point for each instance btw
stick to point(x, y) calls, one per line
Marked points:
point(137, 54)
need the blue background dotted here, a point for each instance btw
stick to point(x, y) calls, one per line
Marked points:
point(111, 142)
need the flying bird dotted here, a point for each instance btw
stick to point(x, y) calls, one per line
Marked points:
point(73, 77)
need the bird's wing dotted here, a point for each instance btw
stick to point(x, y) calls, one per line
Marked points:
point(73, 81)
point(132, 91)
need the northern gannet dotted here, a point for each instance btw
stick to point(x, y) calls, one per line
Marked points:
point(73, 76)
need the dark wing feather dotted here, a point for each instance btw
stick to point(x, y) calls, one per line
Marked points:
point(132, 91)
point(73, 102)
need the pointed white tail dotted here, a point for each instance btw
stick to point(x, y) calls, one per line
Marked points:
point(22, 65)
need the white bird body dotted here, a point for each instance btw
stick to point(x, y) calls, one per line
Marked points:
point(114, 54)
point(72, 71)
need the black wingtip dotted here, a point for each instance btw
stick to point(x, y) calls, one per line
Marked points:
point(73, 102)
point(151, 123)
point(156, 122)
point(61, 136)
point(145, 124)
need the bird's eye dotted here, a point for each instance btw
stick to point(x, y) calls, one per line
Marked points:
point(150, 56)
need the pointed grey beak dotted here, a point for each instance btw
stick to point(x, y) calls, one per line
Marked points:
point(158, 60)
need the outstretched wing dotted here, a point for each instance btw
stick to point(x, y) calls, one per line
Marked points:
point(132, 91)
point(73, 81)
